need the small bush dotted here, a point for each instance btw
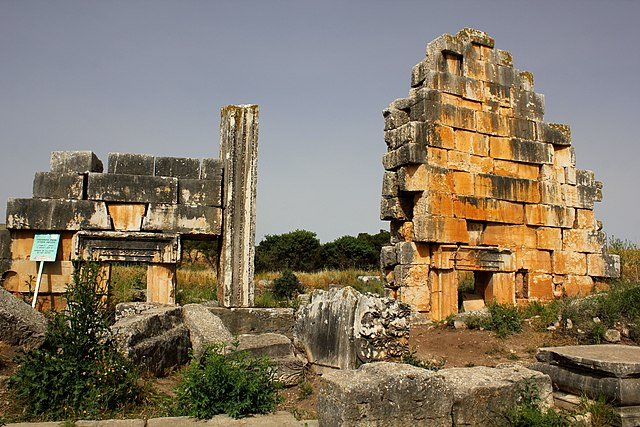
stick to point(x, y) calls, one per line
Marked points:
point(505, 319)
point(233, 384)
point(603, 413)
point(529, 414)
point(287, 286)
point(77, 373)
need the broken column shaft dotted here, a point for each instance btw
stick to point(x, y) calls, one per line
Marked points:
point(239, 154)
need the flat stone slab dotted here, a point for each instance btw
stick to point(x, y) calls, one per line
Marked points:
point(611, 360)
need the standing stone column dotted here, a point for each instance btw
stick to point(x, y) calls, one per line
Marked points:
point(239, 155)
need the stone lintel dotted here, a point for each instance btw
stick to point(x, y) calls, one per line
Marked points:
point(127, 247)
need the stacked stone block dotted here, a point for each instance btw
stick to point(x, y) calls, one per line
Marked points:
point(476, 180)
point(138, 211)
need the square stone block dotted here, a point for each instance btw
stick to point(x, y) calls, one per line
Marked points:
point(131, 164)
point(52, 185)
point(178, 167)
point(75, 162)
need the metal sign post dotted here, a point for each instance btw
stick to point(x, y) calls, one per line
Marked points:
point(44, 249)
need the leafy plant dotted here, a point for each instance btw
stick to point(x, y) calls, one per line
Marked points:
point(505, 319)
point(603, 413)
point(529, 412)
point(305, 390)
point(77, 372)
point(410, 358)
point(287, 286)
point(234, 384)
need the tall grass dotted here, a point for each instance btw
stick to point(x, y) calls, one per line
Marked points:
point(325, 279)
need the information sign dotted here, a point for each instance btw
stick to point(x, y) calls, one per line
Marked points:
point(45, 247)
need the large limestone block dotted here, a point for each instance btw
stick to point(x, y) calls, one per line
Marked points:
point(211, 169)
point(20, 325)
point(200, 192)
point(481, 394)
point(613, 360)
point(75, 162)
point(112, 187)
point(155, 338)
point(324, 328)
point(189, 220)
point(603, 265)
point(205, 328)
point(550, 216)
point(51, 214)
point(509, 235)
point(483, 209)
point(384, 394)
point(569, 262)
point(507, 188)
point(290, 367)
point(256, 320)
point(179, 167)
point(131, 164)
point(21, 276)
point(432, 228)
point(51, 185)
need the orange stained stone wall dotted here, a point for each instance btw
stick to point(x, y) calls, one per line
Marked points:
point(477, 180)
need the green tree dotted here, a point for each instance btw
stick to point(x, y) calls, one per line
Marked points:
point(349, 252)
point(298, 250)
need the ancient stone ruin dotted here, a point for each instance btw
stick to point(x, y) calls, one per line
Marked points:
point(140, 210)
point(475, 180)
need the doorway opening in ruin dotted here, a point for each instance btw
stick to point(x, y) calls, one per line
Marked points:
point(474, 290)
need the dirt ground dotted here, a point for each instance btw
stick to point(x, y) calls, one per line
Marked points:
point(439, 344)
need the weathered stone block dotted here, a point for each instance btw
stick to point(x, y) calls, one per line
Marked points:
point(551, 193)
point(75, 162)
point(521, 150)
point(481, 394)
point(431, 228)
point(388, 256)
point(564, 156)
point(549, 238)
point(155, 339)
point(396, 208)
point(131, 164)
point(211, 169)
point(418, 297)
point(540, 286)
point(389, 184)
point(483, 209)
point(423, 177)
point(20, 325)
point(199, 192)
point(523, 128)
point(189, 220)
point(22, 274)
point(410, 133)
point(550, 216)
point(205, 328)
point(585, 177)
point(437, 157)
point(405, 155)
point(492, 124)
point(117, 246)
point(241, 321)
point(534, 260)
point(440, 204)
point(583, 240)
point(178, 167)
point(501, 288)
point(568, 262)
point(529, 105)
point(578, 285)
point(507, 188)
point(553, 133)
point(394, 118)
point(463, 183)
point(594, 370)
point(132, 188)
point(384, 394)
point(509, 235)
point(126, 217)
point(603, 265)
point(51, 214)
point(52, 185)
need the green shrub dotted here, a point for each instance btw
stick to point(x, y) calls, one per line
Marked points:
point(505, 319)
point(233, 384)
point(529, 414)
point(77, 373)
point(603, 413)
point(286, 286)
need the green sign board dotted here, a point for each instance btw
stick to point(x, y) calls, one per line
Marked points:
point(45, 247)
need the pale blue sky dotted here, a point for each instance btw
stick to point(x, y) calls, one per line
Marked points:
point(150, 76)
